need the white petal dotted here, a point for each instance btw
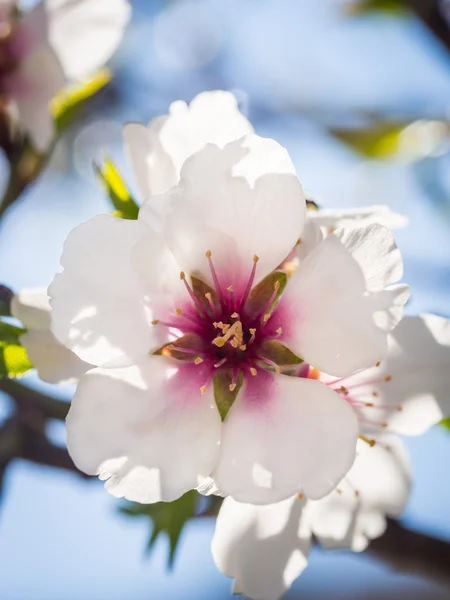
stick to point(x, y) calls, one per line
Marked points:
point(376, 487)
point(265, 548)
point(53, 361)
point(153, 168)
point(158, 152)
point(99, 308)
point(146, 429)
point(32, 307)
point(373, 248)
point(236, 202)
point(331, 219)
point(285, 435)
point(411, 386)
point(85, 33)
point(34, 82)
point(328, 317)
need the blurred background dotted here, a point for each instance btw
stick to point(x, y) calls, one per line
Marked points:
point(359, 93)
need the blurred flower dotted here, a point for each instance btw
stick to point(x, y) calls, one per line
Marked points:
point(53, 361)
point(265, 548)
point(191, 379)
point(44, 48)
point(157, 152)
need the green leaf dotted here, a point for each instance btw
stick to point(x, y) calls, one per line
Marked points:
point(66, 103)
point(223, 396)
point(118, 193)
point(168, 518)
point(14, 361)
point(381, 140)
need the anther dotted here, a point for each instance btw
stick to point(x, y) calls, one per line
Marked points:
point(155, 322)
point(243, 347)
point(220, 363)
point(338, 491)
point(253, 371)
point(368, 404)
point(232, 387)
point(230, 288)
point(235, 315)
point(300, 496)
point(356, 493)
point(208, 254)
point(367, 440)
point(266, 317)
point(279, 330)
point(343, 390)
point(203, 390)
point(374, 394)
point(182, 276)
point(378, 364)
point(388, 378)
point(179, 311)
point(198, 360)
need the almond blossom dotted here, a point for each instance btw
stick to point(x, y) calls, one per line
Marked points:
point(195, 332)
point(44, 48)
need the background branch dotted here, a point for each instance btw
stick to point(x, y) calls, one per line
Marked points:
point(431, 13)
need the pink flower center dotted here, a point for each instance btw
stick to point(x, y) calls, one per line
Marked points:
point(232, 331)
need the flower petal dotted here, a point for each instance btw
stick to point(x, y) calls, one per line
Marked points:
point(265, 548)
point(53, 361)
point(145, 429)
point(376, 487)
point(410, 387)
point(236, 202)
point(99, 307)
point(285, 435)
point(329, 319)
point(373, 248)
point(158, 152)
point(32, 307)
point(332, 219)
point(37, 78)
point(85, 33)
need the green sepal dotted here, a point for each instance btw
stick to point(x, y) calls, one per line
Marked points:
point(260, 295)
point(200, 288)
point(278, 353)
point(222, 395)
point(126, 207)
point(14, 360)
point(167, 518)
point(445, 423)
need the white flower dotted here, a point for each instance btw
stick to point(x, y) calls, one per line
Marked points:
point(53, 361)
point(265, 548)
point(41, 49)
point(158, 152)
point(189, 383)
point(330, 219)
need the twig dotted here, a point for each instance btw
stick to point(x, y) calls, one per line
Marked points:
point(26, 397)
point(413, 553)
point(430, 12)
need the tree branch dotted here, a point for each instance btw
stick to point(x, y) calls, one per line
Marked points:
point(28, 398)
point(430, 13)
point(413, 553)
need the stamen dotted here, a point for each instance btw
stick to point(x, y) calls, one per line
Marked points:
point(215, 278)
point(367, 440)
point(180, 327)
point(180, 313)
point(300, 496)
point(235, 332)
point(268, 304)
point(235, 315)
point(252, 331)
point(208, 296)
point(253, 371)
point(231, 291)
point(198, 360)
point(203, 390)
point(249, 285)
point(279, 331)
point(265, 318)
point(174, 348)
point(192, 295)
point(243, 347)
point(233, 383)
point(221, 362)
point(343, 390)
point(271, 363)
